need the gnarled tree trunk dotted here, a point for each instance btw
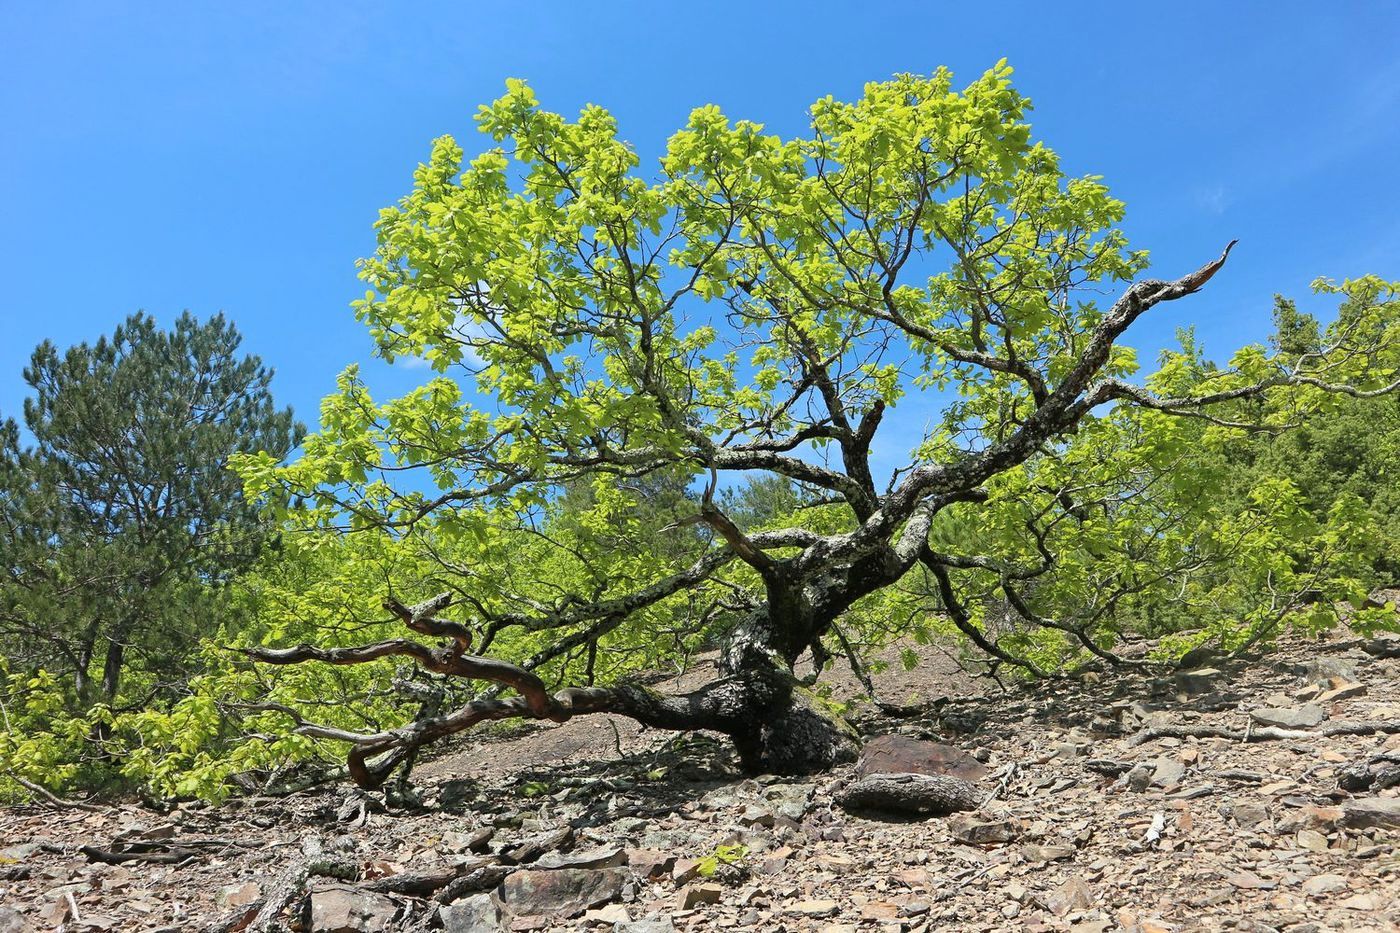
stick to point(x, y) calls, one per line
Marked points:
point(777, 725)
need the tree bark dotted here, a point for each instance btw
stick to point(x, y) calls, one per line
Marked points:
point(788, 729)
point(777, 725)
point(911, 793)
point(804, 736)
point(112, 669)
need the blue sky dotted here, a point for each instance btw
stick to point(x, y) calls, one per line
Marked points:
point(234, 156)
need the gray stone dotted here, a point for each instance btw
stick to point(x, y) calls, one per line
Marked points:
point(1289, 717)
point(789, 800)
point(1368, 812)
point(561, 892)
point(1324, 884)
point(1140, 778)
point(11, 921)
point(479, 913)
point(1201, 680)
point(456, 796)
point(346, 910)
point(969, 829)
point(1167, 770)
point(646, 925)
point(1324, 671)
point(1248, 815)
point(20, 852)
point(601, 857)
point(754, 815)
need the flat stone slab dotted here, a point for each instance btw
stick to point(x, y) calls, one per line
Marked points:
point(601, 857)
point(1290, 717)
point(1368, 812)
point(1200, 680)
point(560, 892)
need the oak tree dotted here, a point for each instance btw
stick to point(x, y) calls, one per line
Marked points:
point(910, 313)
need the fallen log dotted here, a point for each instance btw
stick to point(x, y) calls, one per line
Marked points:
point(443, 886)
point(920, 794)
point(50, 797)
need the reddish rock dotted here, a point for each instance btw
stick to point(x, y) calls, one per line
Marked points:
point(900, 754)
point(650, 863)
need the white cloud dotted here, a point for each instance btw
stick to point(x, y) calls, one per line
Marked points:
point(1213, 199)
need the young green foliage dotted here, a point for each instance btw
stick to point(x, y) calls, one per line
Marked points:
point(761, 306)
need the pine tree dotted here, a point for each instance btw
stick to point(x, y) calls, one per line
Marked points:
point(121, 526)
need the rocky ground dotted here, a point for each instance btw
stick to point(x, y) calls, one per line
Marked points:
point(1248, 797)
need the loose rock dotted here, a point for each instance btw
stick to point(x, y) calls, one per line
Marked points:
point(480, 913)
point(969, 829)
point(345, 910)
point(560, 892)
point(1295, 717)
point(901, 754)
point(694, 895)
point(1367, 812)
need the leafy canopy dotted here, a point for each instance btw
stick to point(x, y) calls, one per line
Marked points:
point(625, 323)
point(757, 305)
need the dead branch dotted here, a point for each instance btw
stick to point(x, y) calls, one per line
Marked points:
point(1263, 733)
point(164, 855)
point(50, 797)
point(428, 883)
